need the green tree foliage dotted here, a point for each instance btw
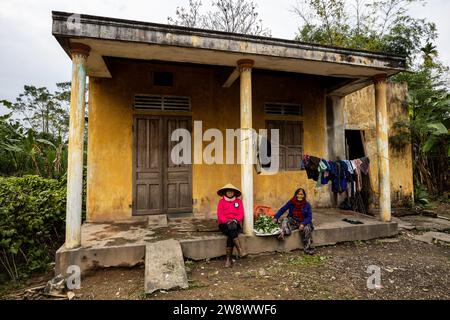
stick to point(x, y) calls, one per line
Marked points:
point(33, 146)
point(378, 25)
point(237, 16)
point(24, 151)
point(32, 215)
point(33, 136)
point(429, 121)
point(386, 26)
point(42, 110)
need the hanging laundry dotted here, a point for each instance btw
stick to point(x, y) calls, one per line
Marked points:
point(338, 182)
point(357, 164)
point(349, 166)
point(323, 173)
point(311, 167)
point(344, 176)
point(263, 153)
point(340, 172)
point(344, 166)
point(365, 165)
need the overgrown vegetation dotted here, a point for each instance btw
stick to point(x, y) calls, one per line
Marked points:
point(429, 124)
point(33, 136)
point(32, 217)
point(387, 26)
point(33, 164)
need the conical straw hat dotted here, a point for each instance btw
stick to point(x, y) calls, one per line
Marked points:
point(228, 186)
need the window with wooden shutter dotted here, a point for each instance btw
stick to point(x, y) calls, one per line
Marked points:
point(161, 102)
point(291, 142)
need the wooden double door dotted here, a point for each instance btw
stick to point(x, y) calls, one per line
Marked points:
point(160, 184)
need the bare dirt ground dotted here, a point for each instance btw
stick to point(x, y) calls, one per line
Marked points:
point(409, 270)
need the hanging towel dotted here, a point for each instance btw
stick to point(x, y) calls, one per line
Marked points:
point(350, 168)
point(357, 164)
point(365, 165)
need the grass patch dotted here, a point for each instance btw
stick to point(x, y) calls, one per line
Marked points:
point(359, 243)
point(307, 260)
point(193, 284)
point(189, 263)
point(7, 288)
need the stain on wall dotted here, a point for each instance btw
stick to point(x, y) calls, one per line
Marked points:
point(359, 114)
point(110, 142)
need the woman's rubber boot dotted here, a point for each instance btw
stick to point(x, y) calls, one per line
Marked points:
point(239, 248)
point(229, 261)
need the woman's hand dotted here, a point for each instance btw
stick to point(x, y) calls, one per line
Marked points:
point(301, 227)
point(275, 220)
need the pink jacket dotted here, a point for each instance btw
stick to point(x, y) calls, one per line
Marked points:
point(229, 210)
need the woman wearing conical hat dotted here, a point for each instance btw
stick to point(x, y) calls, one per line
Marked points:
point(230, 213)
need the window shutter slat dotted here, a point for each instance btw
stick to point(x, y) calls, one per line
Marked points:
point(288, 109)
point(163, 103)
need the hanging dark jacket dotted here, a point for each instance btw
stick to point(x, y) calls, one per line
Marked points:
point(311, 168)
point(338, 171)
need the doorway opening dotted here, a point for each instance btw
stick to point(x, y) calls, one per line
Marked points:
point(355, 148)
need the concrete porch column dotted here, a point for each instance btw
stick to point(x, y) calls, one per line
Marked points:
point(245, 68)
point(79, 53)
point(336, 136)
point(382, 147)
point(337, 144)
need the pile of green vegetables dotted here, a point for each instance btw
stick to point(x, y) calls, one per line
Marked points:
point(265, 224)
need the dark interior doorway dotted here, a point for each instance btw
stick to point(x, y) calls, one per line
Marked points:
point(355, 148)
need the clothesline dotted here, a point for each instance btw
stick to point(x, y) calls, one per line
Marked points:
point(301, 153)
point(296, 151)
point(339, 172)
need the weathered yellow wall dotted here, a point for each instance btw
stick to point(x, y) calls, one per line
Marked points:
point(110, 133)
point(359, 114)
point(275, 190)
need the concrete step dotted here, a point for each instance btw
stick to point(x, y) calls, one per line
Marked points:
point(164, 266)
point(432, 236)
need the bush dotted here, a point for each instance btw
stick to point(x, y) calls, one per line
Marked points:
point(32, 222)
point(421, 196)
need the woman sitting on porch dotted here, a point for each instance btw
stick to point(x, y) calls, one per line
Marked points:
point(230, 213)
point(299, 216)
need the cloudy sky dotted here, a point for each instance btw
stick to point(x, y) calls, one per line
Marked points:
point(30, 55)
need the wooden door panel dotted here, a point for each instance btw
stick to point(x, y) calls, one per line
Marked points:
point(148, 178)
point(179, 186)
point(141, 197)
point(160, 184)
point(185, 195)
point(172, 125)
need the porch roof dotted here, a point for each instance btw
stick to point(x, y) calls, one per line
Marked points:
point(109, 37)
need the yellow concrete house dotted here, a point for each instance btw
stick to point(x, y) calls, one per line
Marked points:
point(147, 79)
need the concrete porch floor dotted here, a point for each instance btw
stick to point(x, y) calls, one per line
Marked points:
point(123, 244)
